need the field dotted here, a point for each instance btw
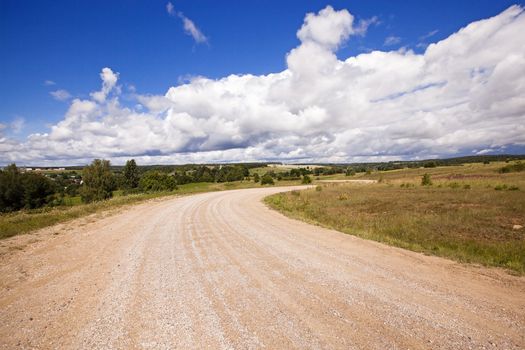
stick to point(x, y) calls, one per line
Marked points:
point(25, 221)
point(470, 213)
point(281, 168)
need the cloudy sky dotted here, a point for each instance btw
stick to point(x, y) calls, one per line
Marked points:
point(179, 82)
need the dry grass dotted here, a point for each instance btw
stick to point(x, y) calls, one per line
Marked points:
point(461, 216)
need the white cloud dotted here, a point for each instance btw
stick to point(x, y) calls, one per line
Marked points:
point(465, 93)
point(18, 124)
point(392, 40)
point(363, 25)
point(429, 34)
point(190, 28)
point(109, 80)
point(49, 83)
point(60, 95)
point(170, 9)
point(328, 28)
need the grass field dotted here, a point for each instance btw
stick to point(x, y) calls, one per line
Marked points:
point(25, 221)
point(468, 214)
point(281, 168)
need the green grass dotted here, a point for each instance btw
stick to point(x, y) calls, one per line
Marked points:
point(25, 221)
point(29, 220)
point(461, 216)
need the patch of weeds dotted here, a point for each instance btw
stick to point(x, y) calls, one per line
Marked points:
point(426, 180)
point(343, 197)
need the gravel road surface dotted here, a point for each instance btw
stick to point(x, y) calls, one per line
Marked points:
point(221, 271)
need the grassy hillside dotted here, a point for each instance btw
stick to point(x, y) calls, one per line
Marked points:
point(468, 214)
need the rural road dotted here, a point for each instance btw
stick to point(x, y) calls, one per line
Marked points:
point(221, 271)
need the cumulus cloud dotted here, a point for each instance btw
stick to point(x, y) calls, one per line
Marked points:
point(60, 95)
point(328, 28)
point(109, 81)
point(464, 94)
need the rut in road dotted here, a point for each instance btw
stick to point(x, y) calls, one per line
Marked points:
point(220, 270)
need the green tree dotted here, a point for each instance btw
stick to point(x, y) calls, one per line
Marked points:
point(267, 180)
point(38, 190)
point(19, 190)
point(306, 179)
point(98, 181)
point(256, 177)
point(425, 180)
point(157, 181)
point(11, 189)
point(131, 174)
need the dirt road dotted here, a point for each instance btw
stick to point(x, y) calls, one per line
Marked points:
point(220, 270)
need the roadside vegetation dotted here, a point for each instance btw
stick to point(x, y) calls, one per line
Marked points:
point(470, 213)
point(25, 221)
point(30, 200)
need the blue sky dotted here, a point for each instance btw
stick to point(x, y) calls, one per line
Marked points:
point(67, 43)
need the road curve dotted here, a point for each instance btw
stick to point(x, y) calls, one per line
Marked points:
point(220, 270)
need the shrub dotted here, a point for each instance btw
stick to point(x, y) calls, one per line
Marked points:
point(406, 185)
point(156, 181)
point(11, 190)
point(466, 187)
point(296, 193)
point(38, 190)
point(24, 190)
point(514, 188)
point(343, 197)
point(98, 181)
point(425, 180)
point(306, 179)
point(131, 174)
point(516, 167)
point(256, 178)
point(318, 188)
point(350, 172)
point(454, 185)
point(267, 180)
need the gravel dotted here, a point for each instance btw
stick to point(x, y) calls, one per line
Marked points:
point(221, 271)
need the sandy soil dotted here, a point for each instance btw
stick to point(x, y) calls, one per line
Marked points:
point(220, 270)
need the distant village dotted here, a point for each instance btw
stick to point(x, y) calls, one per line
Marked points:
point(22, 169)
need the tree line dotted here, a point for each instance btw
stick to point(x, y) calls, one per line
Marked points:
point(99, 180)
